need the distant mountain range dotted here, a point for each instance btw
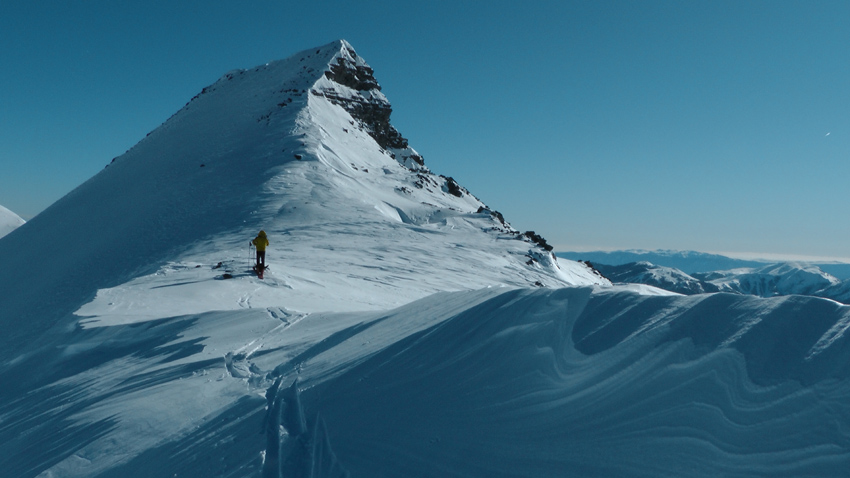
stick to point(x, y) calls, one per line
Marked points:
point(690, 262)
point(775, 279)
point(403, 328)
point(770, 280)
point(667, 278)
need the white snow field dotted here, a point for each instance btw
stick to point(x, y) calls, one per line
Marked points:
point(9, 221)
point(403, 329)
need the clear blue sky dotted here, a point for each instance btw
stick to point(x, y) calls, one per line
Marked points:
point(713, 126)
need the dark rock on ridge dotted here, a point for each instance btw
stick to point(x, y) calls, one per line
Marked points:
point(371, 111)
point(538, 239)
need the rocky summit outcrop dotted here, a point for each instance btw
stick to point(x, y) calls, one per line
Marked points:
point(358, 92)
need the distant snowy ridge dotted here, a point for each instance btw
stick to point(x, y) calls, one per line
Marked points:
point(693, 261)
point(766, 281)
point(666, 278)
point(771, 280)
point(9, 221)
point(839, 292)
point(686, 261)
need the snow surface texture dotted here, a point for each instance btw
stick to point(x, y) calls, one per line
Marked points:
point(9, 221)
point(567, 382)
point(401, 329)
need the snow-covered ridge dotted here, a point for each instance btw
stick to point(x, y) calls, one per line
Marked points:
point(9, 221)
point(766, 281)
point(666, 278)
point(688, 262)
point(354, 225)
point(775, 279)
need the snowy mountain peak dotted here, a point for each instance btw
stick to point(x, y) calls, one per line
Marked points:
point(334, 72)
point(349, 69)
point(350, 83)
point(301, 149)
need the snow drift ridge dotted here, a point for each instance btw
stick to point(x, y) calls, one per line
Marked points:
point(600, 383)
point(574, 381)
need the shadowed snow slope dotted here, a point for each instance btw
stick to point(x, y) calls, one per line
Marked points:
point(575, 383)
point(402, 329)
point(544, 383)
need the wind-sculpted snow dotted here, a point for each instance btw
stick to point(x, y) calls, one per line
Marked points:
point(563, 382)
point(546, 384)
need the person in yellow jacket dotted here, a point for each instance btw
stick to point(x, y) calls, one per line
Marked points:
point(260, 242)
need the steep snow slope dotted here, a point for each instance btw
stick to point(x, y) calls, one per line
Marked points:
point(272, 148)
point(775, 279)
point(666, 278)
point(9, 221)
